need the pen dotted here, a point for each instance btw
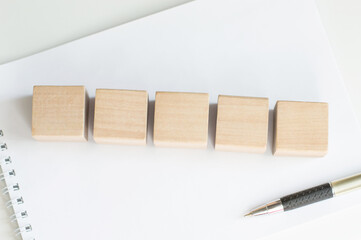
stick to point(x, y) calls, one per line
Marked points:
point(309, 196)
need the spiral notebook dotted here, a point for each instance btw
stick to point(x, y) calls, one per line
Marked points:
point(14, 220)
point(276, 49)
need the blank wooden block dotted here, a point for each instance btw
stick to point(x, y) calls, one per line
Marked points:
point(181, 119)
point(60, 113)
point(301, 129)
point(120, 116)
point(242, 124)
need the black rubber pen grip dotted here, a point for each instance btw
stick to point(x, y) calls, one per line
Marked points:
point(307, 197)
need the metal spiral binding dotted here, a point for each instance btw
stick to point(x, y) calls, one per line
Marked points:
point(8, 174)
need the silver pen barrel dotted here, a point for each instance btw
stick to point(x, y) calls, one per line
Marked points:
point(346, 185)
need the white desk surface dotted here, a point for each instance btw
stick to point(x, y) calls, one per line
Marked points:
point(67, 21)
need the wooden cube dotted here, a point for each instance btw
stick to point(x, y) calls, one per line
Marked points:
point(181, 119)
point(301, 129)
point(242, 124)
point(120, 116)
point(60, 113)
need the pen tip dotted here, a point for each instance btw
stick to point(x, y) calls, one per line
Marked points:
point(248, 215)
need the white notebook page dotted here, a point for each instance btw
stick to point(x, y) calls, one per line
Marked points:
point(276, 49)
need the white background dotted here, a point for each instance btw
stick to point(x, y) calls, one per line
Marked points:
point(66, 20)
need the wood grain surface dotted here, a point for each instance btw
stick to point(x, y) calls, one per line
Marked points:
point(181, 119)
point(242, 124)
point(120, 116)
point(59, 113)
point(301, 129)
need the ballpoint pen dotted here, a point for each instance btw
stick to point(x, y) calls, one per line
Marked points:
point(309, 196)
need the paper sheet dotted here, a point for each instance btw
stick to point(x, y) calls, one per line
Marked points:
point(276, 49)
